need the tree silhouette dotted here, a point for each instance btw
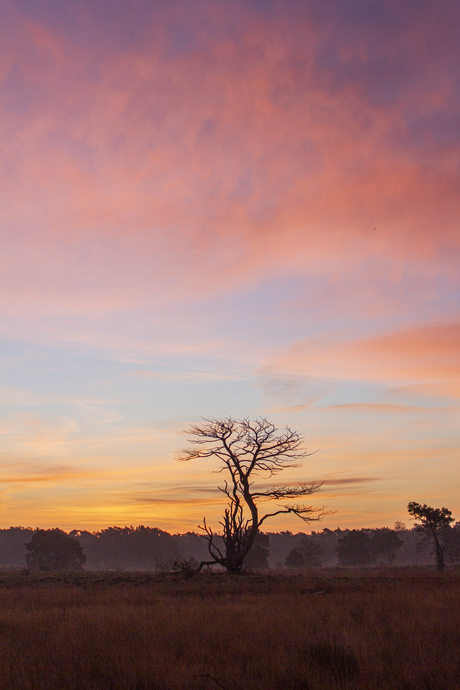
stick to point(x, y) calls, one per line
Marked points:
point(257, 556)
point(452, 543)
point(385, 542)
point(295, 558)
point(246, 450)
point(53, 549)
point(434, 522)
point(307, 554)
point(354, 548)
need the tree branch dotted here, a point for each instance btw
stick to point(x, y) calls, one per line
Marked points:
point(300, 511)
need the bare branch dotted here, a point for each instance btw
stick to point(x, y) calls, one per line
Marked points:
point(214, 550)
point(282, 492)
point(247, 449)
point(303, 512)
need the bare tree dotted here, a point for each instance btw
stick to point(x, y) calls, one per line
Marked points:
point(246, 450)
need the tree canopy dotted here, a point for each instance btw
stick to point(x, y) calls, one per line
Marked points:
point(54, 550)
point(436, 522)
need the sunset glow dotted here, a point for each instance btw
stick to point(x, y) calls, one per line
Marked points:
point(214, 208)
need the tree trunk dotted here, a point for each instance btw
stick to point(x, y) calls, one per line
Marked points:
point(439, 553)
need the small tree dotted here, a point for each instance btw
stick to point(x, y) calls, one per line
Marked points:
point(307, 554)
point(355, 548)
point(452, 543)
point(53, 549)
point(246, 450)
point(385, 542)
point(295, 558)
point(312, 551)
point(259, 552)
point(435, 522)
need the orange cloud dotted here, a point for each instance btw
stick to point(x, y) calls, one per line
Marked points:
point(428, 355)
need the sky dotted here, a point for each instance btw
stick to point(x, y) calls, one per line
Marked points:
point(214, 208)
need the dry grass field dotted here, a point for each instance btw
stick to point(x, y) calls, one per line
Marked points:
point(318, 630)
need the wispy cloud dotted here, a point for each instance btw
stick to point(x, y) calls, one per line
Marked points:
point(18, 473)
point(19, 397)
point(387, 408)
point(349, 480)
point(188, 376)
point(426, 354)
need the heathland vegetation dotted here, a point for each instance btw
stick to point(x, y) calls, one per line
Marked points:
point(346, 629)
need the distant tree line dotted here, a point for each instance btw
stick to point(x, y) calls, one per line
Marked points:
point(150, 548)
point(372, 547)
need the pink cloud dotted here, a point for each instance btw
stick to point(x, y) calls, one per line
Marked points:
point(139, 173)
point(428, 355)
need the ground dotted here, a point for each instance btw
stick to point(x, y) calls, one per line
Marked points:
point(331, 629)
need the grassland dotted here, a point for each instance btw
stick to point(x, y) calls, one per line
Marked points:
point(318, 630)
